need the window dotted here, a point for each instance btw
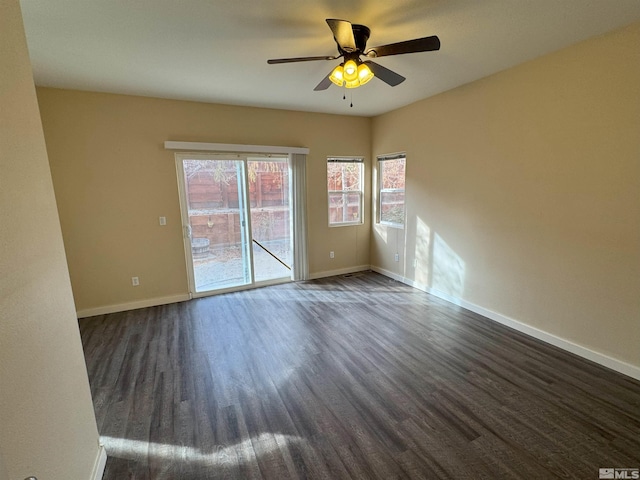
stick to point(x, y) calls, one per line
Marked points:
point(391, 177)
point(344, 185)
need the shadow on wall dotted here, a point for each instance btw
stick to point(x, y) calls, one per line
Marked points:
point(437, 265)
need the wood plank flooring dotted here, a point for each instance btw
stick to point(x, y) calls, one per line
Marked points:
point(347, 377)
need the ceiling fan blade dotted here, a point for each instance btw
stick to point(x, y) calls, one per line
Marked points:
point(383, 73)
point(426, 44)
point(343, 34)
point(324, 84)
point(274, 61)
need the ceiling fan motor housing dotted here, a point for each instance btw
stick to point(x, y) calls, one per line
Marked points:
point(361, 35)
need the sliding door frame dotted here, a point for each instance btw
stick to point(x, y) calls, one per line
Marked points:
point(246, 217)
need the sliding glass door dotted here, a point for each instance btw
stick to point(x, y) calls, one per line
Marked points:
point(236, 220)
point(270, 217)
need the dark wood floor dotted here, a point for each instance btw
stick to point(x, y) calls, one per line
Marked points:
point(347, 377)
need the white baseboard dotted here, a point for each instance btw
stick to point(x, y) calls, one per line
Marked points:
point(123, 307)
point(390, 274)
point(632, 371)
point(101, 462)
point(342, 271)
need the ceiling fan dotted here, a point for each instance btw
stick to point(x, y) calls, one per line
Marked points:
point(352, 43)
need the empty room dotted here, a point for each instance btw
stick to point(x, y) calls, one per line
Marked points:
point(319, 239)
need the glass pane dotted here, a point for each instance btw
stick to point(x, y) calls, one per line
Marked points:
point(392, 173)
point(344, 208)
point(219, 242)
point(353, 207)
point(392, 207)
point(344, 176)
point(270, 219)
point(336, 207)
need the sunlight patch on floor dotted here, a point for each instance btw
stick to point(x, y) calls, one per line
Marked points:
point(222, 454)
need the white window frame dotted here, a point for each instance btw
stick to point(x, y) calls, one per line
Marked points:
point(381, 159)
point(354, 160)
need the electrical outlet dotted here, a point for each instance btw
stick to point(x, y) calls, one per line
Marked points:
point(396, 257)
point(331, 254)
point(163, 220)
point(135, 281)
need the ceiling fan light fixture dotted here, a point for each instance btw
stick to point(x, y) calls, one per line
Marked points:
point(364, 73)
point(337, 76)
point(352, 83)
point(358, 78)
point(350, 71)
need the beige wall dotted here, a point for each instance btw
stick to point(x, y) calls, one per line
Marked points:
point(523, 193)
point(47, 424)
point(3, 470)
point(113, 179)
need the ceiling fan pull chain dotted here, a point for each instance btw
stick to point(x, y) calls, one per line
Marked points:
point(351, 99)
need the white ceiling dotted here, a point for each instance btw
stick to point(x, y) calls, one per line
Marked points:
point(216, 50)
